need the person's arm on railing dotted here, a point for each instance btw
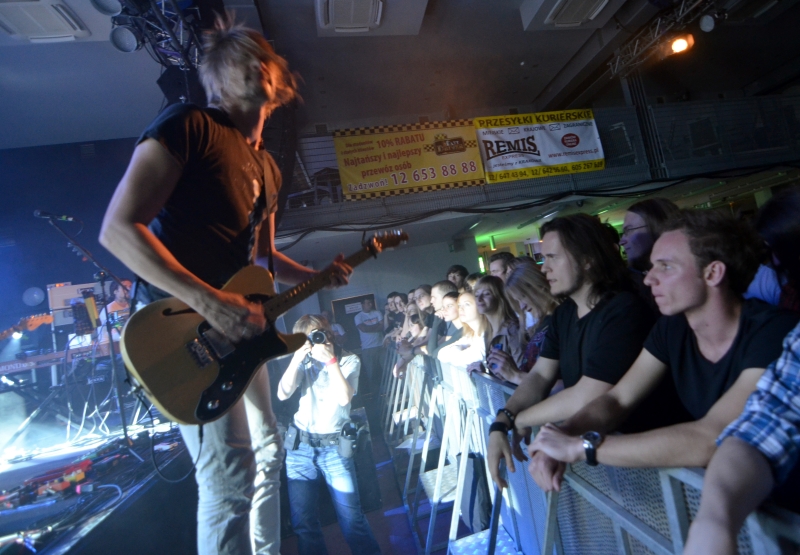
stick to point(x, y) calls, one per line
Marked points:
point(603, 414)
point(534, 387)
point(738, 480)
point(607, 412)
point(687, 444)
point(563, 404)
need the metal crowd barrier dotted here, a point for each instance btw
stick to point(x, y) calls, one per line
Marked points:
point(600, 510)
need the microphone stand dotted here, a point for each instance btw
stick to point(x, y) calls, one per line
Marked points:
point(101, 276)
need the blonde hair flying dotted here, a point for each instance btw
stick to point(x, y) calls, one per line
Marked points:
point(231, 68)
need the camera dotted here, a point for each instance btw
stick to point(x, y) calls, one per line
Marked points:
point(317, 337)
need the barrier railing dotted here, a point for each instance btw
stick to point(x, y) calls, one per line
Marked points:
point(600, 509)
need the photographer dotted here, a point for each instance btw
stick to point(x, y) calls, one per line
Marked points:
point(321, 441)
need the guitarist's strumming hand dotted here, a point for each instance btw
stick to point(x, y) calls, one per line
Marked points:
point(233, 315)
point(340, 272)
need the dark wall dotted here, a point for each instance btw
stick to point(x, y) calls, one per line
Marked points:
point(63, 179)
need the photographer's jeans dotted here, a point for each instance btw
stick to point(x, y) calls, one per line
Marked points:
point(305, 467)
point(238, 477)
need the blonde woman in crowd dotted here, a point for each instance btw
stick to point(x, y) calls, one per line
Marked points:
point(503, 332)
point(471, 348)
point(528, 290)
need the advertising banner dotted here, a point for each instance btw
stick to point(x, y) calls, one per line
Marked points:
point(401, 159)
point(543, 144)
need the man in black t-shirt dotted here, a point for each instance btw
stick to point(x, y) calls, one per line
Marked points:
point(712, 344)
point(595, 335)
point(197, 204)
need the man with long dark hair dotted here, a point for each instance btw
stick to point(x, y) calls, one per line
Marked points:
point(711, 343)
point(595, 335)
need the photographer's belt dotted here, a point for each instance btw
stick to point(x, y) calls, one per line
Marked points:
point(318, 440)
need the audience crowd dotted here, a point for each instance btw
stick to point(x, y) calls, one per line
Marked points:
point(673, 343)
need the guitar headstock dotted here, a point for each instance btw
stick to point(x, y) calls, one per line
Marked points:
point(30, 323)
point(388, 239)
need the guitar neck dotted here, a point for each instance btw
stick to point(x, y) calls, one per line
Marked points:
point(9, 331)
point(279, 304)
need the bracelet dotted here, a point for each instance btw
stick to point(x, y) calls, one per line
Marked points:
point(498, 427)
point(334, 360)
point(508, 414)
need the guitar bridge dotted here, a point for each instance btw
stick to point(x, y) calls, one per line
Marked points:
point(199, 353)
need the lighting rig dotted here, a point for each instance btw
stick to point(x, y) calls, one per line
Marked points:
point(663, 36)
point(168, 29)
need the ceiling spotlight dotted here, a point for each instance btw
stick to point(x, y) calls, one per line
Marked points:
point(17, 335)
point(126, 38)
point(491, 243)
point(707, 23)
point(681, 44)
point(107, 7)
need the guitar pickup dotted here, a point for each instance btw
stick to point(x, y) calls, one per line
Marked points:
point(218, 343)
point(199, 353)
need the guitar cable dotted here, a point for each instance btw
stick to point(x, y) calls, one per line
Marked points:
point(152, 435)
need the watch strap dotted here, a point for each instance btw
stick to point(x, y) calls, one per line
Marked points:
point(508, 414)
point(591, 441)
point(498, 427)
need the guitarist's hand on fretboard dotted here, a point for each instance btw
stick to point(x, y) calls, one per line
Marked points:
point(340, 272)
point(233, 315)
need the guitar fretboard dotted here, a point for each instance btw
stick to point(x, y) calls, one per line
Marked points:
point(279, 304)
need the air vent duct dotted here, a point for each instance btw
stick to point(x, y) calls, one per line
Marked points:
point(349, 16)
point(574, 13)
point(41, 21)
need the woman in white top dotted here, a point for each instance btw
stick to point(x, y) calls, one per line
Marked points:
point(470, 349)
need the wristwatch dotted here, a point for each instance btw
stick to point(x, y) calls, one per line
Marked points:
point(591, 441)
point(508, 414)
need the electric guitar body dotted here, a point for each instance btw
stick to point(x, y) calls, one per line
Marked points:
point(191, 372)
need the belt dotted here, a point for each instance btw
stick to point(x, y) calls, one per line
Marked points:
point(319, 440)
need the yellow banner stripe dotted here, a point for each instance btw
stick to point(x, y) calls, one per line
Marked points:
point(406, 127)
point(411, 190)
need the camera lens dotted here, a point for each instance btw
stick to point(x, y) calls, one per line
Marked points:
point(317, 337)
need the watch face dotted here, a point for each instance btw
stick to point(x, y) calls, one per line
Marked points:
point(592, 437)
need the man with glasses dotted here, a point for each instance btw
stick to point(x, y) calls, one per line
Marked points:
point(317, 440)
point(644, 222)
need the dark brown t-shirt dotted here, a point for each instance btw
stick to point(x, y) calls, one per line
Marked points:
point(210, 221)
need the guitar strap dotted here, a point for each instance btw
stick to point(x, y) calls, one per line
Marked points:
point(257, 216)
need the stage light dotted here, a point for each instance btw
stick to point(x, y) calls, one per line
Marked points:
point(707, 23)
point(681, 44)
point(126, 38)
point(481, 265)
point(16, 335)
point(107, 7)
point(491, 243)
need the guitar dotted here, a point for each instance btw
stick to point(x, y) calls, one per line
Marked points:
point(29, 323)
point(193, 373)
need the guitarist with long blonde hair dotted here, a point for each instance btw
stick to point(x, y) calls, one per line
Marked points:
point(197, 204)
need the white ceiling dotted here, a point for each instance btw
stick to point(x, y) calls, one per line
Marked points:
point(469, 57)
